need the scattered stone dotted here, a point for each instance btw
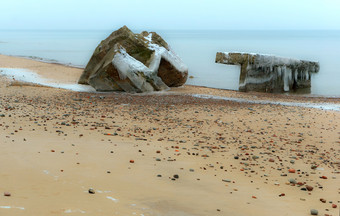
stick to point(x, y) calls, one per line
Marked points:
point(309, 188)
point(322, 200)
point(91, 191)
point(132, 161)
point(292, 181)
point(314, 212)
point(7, 194)
point(176, 176)
point(291, 170)
point(334, 206)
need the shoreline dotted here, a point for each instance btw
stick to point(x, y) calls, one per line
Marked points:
point(302, 95)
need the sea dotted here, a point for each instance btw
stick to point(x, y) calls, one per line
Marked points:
point(197, 48)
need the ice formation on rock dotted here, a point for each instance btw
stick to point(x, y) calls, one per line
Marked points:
point(266, 73)
point(134, 63)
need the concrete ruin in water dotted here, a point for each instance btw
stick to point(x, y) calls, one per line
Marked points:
point(266, 73)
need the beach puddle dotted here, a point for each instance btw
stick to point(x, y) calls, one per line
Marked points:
point(113, 199)
point(74, 211)
point(11, 207)
point(27, 76)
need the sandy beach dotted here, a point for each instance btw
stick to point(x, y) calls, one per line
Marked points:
point(189, 151)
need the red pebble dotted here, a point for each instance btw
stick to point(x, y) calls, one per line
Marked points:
point(132, 161)
point(7, 194)
point(309, 188)
point(291, 171)
point(323, 177)
point(334, 206)
point(52, 150)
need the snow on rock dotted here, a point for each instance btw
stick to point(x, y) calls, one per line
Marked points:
point(136, 71)
point(266, 73)
point(134, 63)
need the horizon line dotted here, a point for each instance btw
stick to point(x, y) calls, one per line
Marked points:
point(148, 29)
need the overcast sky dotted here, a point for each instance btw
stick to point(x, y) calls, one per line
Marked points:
point(170, 14)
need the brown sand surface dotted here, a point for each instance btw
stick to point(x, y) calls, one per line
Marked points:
point(230, 158)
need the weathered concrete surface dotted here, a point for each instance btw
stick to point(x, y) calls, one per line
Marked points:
point(134, 63)
point(265, 73)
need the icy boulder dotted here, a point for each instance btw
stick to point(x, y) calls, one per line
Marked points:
point(134, 63)
point(265, 73)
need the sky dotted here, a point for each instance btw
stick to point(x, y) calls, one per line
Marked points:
point(170, 14)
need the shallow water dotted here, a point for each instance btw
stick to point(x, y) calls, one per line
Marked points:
point(197, 49)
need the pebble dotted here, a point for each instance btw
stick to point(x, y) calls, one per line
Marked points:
point(322, 200)
point(91, 191)
point(291, 171)
point(334, 206)
point(293, 181)
point(176, 176)
point(309, 188)
point(132, 161)
point(314, 212)
point(271, 160)
point(7, 194)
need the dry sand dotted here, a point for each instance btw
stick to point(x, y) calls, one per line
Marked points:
point(230, 158)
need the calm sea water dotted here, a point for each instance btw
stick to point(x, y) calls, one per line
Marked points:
point(197, 49)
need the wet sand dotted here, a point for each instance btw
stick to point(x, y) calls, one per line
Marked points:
point(191, 155)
